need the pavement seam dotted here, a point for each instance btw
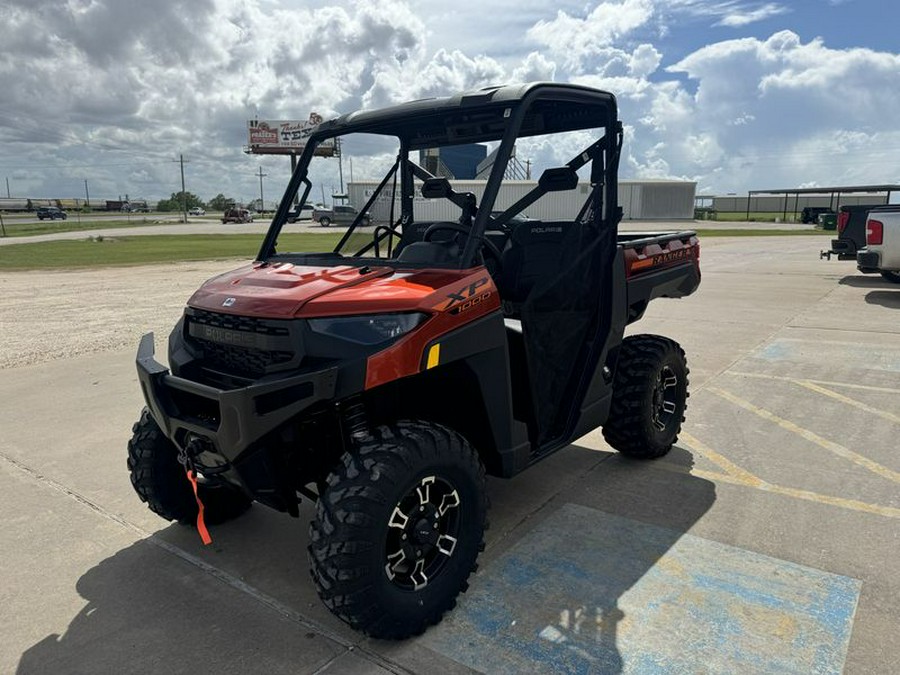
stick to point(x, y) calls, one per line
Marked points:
point(767, 338)
point(211, 570)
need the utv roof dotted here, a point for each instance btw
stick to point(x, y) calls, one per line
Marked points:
point(482, 115)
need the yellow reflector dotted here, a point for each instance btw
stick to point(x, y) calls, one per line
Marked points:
point(434, 356)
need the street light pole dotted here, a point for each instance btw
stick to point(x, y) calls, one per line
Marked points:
point(87, 195)
point(262, 203)
point(183, 195)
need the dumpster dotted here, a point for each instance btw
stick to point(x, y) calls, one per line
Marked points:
point(827, 221)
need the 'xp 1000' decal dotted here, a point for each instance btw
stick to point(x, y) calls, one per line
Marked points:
point(466, 297)
point(663, 258)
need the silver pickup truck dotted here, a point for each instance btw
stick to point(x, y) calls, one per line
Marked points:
point(882, 252)
point(339, 215)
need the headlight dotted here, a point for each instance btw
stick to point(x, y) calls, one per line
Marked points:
point(369, 329)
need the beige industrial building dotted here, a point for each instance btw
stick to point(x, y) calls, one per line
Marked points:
point(639, 199)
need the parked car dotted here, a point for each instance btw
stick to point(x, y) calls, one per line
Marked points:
point(810, 214)
point(51, 212)
point(236, 215)
point(197, 211)
point(304, 212)
point(339, 215)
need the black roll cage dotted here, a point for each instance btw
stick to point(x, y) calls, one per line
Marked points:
point(491, 114)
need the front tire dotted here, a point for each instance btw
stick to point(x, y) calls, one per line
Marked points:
point(325, 222)
point(649, 397)
point(161, 483)
point(398, 529)
point(893, 277)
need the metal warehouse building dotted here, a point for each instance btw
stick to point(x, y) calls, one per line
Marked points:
point(639, 199)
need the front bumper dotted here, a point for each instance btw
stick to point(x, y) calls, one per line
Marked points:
point(868, 262)
point(229, 422)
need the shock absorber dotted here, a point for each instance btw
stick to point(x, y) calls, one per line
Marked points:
point(355, 420)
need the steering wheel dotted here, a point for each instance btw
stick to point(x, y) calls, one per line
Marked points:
point(462, 229)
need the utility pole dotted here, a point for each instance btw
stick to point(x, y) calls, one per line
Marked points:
point(527, 169)
point(7, 187)
point(87, 195)
point(262, 203)
point(183, 195)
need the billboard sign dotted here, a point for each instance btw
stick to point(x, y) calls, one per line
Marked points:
point(285, 137)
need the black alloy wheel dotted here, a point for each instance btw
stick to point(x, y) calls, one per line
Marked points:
point(422, 533)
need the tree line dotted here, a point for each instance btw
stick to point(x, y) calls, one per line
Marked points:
point(189, 200)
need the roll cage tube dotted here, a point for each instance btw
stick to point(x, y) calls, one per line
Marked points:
point(511, 112)
point(611, 127)
point(300, 176)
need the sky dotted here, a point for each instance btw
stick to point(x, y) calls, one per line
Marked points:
point(735, 95)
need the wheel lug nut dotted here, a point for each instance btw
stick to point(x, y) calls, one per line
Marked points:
point(435, 526)
point(418, 554)
point(421, 508)
point(404, 536)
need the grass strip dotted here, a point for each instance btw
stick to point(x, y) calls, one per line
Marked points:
point(14, 229)
point(126, 250)
point(150, 249)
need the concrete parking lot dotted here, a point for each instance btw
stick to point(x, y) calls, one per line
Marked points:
point(766, 541)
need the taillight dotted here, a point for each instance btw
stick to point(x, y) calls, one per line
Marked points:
point(843, 217)
point(874, 232)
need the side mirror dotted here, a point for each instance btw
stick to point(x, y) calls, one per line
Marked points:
point(434, 188)
point(558, 179)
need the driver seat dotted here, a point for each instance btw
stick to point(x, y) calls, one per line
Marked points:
point(412, 247)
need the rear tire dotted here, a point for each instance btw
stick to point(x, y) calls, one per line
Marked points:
point(893, 277)
point(649, 397)
point(161, 483)
point(398, 529)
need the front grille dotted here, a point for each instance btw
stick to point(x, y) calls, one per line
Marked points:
point(240, 360)
point(253, 356)
point(244, 323)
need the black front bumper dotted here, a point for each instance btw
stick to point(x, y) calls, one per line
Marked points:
point(229, 422)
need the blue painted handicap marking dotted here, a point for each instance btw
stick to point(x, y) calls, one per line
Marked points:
point(590, 592)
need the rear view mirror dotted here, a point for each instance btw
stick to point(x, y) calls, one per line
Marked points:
point(434, 188)
point(558, 179)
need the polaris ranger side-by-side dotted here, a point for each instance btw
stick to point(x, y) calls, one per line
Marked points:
point(384, 378)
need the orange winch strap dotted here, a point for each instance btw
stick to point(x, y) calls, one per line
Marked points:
point(201, 524)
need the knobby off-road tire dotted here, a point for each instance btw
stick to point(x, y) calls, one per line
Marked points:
point(649, 397)
point(398, 529)
point(161, 483)
point(893, 277)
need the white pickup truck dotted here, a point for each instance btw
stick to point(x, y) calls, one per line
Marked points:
point(882, 251)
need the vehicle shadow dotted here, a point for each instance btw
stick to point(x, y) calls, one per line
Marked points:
point(552, 602)
point(866, 281)
point(889, 299)
point(147, 611)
